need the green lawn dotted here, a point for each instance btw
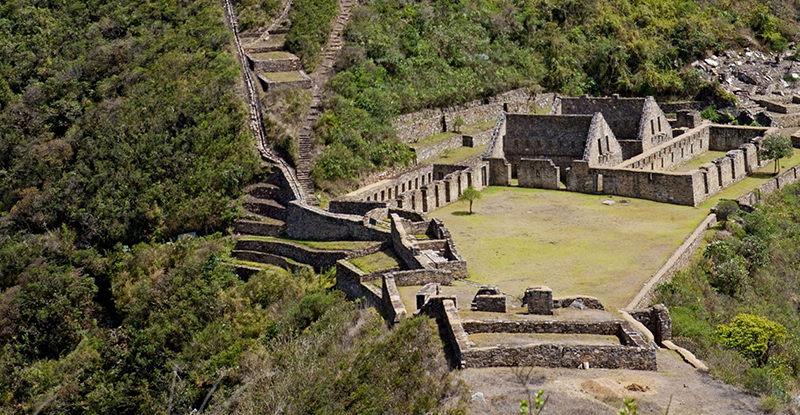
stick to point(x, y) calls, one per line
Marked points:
point(458, 155)
point(263, 56)
point(571, 242)
point(289, 76)
point(698, 161)
point(321, 245)
point(376, 262)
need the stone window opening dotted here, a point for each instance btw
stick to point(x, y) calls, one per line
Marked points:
point(659, 124)
point(367, 198)
point(376, 197)
point(404, 187)
point(390, 193)
point(599, 146)
point(383, 195)
point(608, 147)
point(652, 128)
point(416, 183)
point(705, 181)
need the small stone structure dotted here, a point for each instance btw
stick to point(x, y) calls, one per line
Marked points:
point(489, 299)
point(539, 300)
point(657, 320)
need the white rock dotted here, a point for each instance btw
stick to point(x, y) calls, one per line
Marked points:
point(478, 397)
point(711, 62)
point(608, 202)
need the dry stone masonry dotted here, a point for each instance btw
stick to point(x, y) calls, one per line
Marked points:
point(620, 146)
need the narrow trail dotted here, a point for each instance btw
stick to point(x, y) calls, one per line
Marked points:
point(255, 117)
point(319, 78)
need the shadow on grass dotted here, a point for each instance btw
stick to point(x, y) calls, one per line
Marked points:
point(461, 213)
point(763, 175)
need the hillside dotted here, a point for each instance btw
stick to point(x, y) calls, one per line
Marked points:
point(125, 154)
point(123, 125)
point(403, 57)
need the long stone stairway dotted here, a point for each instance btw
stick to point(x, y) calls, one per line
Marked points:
point(319, 78)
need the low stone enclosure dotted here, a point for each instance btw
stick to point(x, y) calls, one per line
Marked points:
point(633, 351)
point(625, 148)
point(433, 259)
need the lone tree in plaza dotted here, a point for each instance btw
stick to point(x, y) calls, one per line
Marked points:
point(775, 147)
point(471, 195)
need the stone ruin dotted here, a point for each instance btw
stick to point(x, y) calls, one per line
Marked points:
point(489, 299)
point(620, 146)
point(633, 351)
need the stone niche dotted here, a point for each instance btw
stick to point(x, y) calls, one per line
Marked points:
point(539, 300)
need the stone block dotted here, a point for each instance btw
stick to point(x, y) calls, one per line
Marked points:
point(539, 300)
point(688, 118)
point(492, 303)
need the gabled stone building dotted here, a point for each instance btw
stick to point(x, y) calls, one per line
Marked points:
point(542, 148)
point(638, 123)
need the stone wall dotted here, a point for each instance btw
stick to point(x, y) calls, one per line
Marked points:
point(317, 258)
point(348, 280)
point(602, 328)
point(676, 188)
point(354, 207)
point(657, 320)
point(270, 85)
point(750, 199)
point(669, 155)
point(495, 147)
point(290, 63)
point(545, 137)
point(422, 277)
point(495, 303)
point(310, 223)
point(632, 353)
point(555, 355)
point(402, 244)
point(538, 173)
point(444, 311)
point(351, 281)
point(622, 114)
point(393, 308)
point(416, 126)
point(729, 137)
point(271, 259)
point(587, 302)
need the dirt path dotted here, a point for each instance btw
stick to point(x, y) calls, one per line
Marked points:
point(600, 391)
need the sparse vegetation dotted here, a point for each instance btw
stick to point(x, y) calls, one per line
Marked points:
point(735, 307)
point(311, 23)
point(775, 147)
point(470, 195)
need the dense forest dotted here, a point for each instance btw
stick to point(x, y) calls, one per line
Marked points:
point(405, 56)
point(737, 306)
point(121, 126)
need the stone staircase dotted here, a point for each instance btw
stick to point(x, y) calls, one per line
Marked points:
point(319, 78)
point(264, 210)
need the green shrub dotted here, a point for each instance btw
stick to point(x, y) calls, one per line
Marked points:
point(753, 336)
point(311, 24)
point(725, 209)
